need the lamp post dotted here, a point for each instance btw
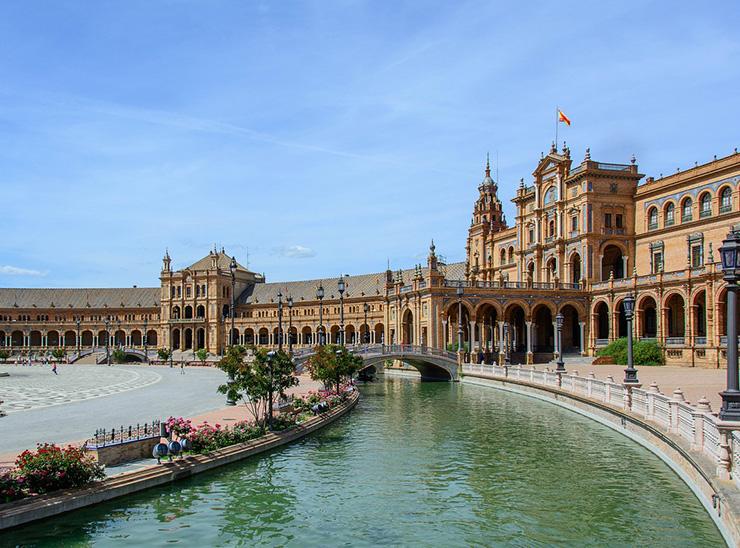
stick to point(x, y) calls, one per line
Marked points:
point(270, 357)
point(630, 374)
point(340, 285)
point(459, 292)
point(107, 342)
point(507, 343)
point(366, 308)
point(146, 348)
point(320, 297)
point(730, 251)
point(118, 330)
point(77, 323)
point(559, 320)
point(280, 320)
point(290, 324)
point(232, 269)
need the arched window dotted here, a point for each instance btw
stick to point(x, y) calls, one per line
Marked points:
point(550, 195)
point(511, 254)
point(725, 200)
point(653, 218)
point(670, 214)
point(705, 205)
point(686, 210)
point(503, 256)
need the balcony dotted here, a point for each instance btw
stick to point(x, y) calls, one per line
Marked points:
point(705, 213)
point(653, 226)
point(669, 222)
point(725, 208)
point(700, 340)
point(675, 341)
point(610, 230)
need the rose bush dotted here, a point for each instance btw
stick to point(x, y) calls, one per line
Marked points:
point(12, 487)
point(51, 467)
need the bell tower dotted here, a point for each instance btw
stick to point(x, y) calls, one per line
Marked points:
point(488, 219)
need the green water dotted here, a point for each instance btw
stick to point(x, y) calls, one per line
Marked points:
point(415, 464)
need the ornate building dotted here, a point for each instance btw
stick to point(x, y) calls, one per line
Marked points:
point(584, 237)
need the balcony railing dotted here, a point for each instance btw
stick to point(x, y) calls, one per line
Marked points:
point(725, 208)
point(612, 167)
point(602, 342)
point(700, 340)
point(610, 230)
point(705, 213)
point(674, 341)
point(495, 284)
point(653, 226)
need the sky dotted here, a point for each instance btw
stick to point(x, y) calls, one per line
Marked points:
point(322, 137)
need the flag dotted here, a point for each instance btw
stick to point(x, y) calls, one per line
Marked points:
point(562, 117)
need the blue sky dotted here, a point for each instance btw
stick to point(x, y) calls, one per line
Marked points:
point(325, 136)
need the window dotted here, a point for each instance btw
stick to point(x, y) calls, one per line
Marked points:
point(511, 254)
point(686, 210)
point(725, 200)
point(531, 235)
point(503, 256)
point(653, 218)
point(179, 291)
point(550, 195)
point(705, 205)
point(574, 223)
point(551, 229)
point(618, 220)
point(188, 291)
point(670, 215)
point(608, 220)
point(697, 256)
point(657, 262)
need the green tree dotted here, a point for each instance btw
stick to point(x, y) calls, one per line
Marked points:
point(202, 354)
point(58, 353)
point(257, 380)
point(332, 363)
point(118, 356)
point(4, 355)
point(164, 354)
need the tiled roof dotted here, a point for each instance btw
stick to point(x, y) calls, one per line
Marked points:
point(128, 297)
point(364, 285)
point(223, 262)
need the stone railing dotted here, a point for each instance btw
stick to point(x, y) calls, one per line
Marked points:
point(695, 424)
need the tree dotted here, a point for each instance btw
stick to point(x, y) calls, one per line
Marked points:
point(4, 354)
point(118, 355)
point(58, 353)
point(164, 354)
point(332, 363)
point(202, 354)
point(257, 380)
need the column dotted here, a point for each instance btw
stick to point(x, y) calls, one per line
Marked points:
point(529, 338)
point(444, 334)
point(625, 272)
point(582, 325)
point(555, 341)
point(500, 342)
point(471, 336)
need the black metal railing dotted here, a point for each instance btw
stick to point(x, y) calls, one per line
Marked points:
point(104, 438)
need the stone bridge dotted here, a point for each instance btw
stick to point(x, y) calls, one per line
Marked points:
point(432, 363)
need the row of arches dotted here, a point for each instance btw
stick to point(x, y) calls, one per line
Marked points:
point(687, 209)
point(87, 338)
point(200, 312)
point(307, 335)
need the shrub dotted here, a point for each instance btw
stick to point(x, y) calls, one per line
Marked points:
point(51, 467)
point(179, 426)
point(164, 354)
point(11, 487)
point(4, 355)
point(617, 350)
point(118, 355)
point(208, 437)
point(647, 353)
point(58, 353)
point(283, 422)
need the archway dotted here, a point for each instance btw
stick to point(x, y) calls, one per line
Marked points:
point(334, 334)
point(16, 338)
point(102, 338)
point(34, 339)
point(612, 262)
point(188, 312)
point(200, 312)
point(200, 338)
point(575, 269)
point(292, 335)
point(486, 320)
point(175, 339)
point(551, 269)
point(453, 327)
point(571, 330)
point(87, 338)
point(621, 320)
point(646, 310)
point(699, 311)
point(349, 334)
point(379, 333)
point(602, 321)
point(264, 336)
point(407, 328)
point(249, 336)
point(176, 312)
point(544, 337)
point(234, 340)
point(151, 338)
point(119, 338)
point(306, 335)
point(675, 317)
point(52, 338)
point(70, 338)
point(188, 339)
point(135, 337)
point(515, 338)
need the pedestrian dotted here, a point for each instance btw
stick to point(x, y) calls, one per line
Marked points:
point(182, 368)
point(54, 368)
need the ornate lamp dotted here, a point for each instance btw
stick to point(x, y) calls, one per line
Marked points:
point(730, 253)
point(559, 321)
point(630, 374)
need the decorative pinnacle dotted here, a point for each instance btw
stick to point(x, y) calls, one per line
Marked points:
point(588, 154)
point(488, 165)
point(553, 147)
point(432, 247)
point(633, 160)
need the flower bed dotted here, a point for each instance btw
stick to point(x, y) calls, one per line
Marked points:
point(48, 469)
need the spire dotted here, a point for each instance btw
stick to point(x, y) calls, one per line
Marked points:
point(488, 166)
point(588, 155)
point(432, 248)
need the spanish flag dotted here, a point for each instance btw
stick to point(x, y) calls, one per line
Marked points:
point(563, 118)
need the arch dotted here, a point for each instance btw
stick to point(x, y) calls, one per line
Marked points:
point(263, 336)
point(200, 312)
point(611, 261)
point(249, 336)
point(86, 338)
point(334, 334)
point(455, 323)
point(725, 199)
point(34, 338)
point(487, 315)
point(349, 334)
point(175, 339)
point(621, 318)
point(102, 338)
point(652, 218)
point(675, 310)
point(669, 214)
point(531, 271)
point(550, 195)
point(363, 334)
point(135, 337)
point(16, 338)
point(3, 340)
point(176, 312)
point(200, 338)
point(515, 337)
point(502, 256)
point(705, 204)
point(511, 254)
point(648, 317)
point(551, 269)
point(571, 329)
point(601, 320)
point(292, 335)
point(407, 329)
point(52, 338)
point(575, 268)
point(188, 338)
point(379, 333)
point(699, 313)
point(119, 337)
point(543, 339)
point(511, 307)
point(70, 338)
point(234, 338)
point(225, 310)
point(188, 312)
point(151, 338)
point(306, 335)
point(687, 209)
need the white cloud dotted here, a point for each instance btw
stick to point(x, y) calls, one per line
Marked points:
point(15, 271)
point(297, 252)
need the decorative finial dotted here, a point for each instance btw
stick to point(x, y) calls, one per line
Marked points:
point(432, 247)
point(633, 160)
point(553, 148)
point(588, 154)
point(488, 165)
point(565, 145)
point(521, 182)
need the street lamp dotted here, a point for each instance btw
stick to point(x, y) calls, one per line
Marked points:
point(366, 308)
point(320, 297)
point(232, 269)
point(730, 251)
point(290, 324)
point(559, 320)
point(459, 292)
point(118, 330)
point(107, 341)
point(77, 323)
point(507, 343)
point(340, 285)
point(270, 357)
point(280, 319)
point(146, 347)
point(630, 374)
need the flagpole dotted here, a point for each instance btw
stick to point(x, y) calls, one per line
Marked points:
point(556, 126)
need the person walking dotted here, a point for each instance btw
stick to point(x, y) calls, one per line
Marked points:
point(182, 368)
point(54, 368)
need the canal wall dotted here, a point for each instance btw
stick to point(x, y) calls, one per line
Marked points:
point(719, 496)
point(39, 507)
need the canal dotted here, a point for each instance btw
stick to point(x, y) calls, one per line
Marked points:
point(422, 464)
